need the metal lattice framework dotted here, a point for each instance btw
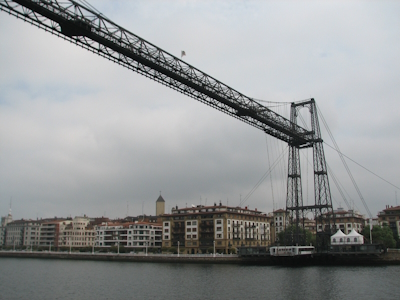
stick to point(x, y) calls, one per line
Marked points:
point(92, 31)
point(323, 210)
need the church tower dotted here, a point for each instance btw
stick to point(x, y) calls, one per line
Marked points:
point(160, 206)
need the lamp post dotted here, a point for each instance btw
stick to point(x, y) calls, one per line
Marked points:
point(147, 243)
point(69, 240)
point(118, 247)
point(93, 241)
point(214, 248)
point(178, 248)
point(50, 247)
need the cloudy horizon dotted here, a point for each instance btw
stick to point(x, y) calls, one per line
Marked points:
point(82, 135)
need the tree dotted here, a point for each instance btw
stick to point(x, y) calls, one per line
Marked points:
point(380, 235)
point(286, 237)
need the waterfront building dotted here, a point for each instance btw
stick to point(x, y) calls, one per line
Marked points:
point(33, 233)
point(77, 233)
point(391, 217)
point(280, 222)
point(310, 225)
point(141, 218)
point(346, 221)
point(3, 225)
point(198, 229)
point(134, 235)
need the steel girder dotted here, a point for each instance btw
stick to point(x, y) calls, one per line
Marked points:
point(92, 31)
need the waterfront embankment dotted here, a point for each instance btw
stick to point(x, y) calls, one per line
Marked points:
point(388, 258)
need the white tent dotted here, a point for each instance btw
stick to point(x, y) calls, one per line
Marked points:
point(354, 238)
point(339, 238)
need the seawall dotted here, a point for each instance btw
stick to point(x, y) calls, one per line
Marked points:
point(336, 259)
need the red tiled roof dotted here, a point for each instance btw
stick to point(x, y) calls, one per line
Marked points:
point(392, 208)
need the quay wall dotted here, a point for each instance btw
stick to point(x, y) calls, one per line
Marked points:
point(389, 258)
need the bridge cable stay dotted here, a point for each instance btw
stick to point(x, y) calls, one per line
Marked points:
point(266, 174)
point(345, 164)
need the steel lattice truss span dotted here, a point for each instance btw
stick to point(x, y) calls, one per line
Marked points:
point(92, 31)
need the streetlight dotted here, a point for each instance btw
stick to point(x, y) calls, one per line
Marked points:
point(178, 248)
point(93, 241)
point(69, 240)
point(214, 248)
point(50, 247)
point(146, 243)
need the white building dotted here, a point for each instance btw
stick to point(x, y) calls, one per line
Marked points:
point(77, 233)
point(138, 235)
point(280, 222)
point(4, 221)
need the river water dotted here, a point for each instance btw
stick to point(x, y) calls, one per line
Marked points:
point(68, 279)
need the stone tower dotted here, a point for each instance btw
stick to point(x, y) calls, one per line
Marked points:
point(160, 206)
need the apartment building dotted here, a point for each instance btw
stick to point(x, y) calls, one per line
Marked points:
point(199, 228)
point(391, 217)
point(77, 233)
point(33, 233)
point(134, 235)
point(280, 222)
point(3, 225)
point(346, 221)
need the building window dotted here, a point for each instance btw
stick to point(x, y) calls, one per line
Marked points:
point(166, 230)
point(188, 236)
point(219, 222)
point(194, 222)
point(219, 228)
point(188, 229)
point(166, 224)
point(194, 236)
point(189, 223)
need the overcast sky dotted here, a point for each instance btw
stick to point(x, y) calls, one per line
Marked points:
point(82, 135)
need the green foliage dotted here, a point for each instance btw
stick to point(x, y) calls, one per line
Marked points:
point(380, 235)
point(286, 237)
point(210, 250)
point(173, 250)
point(85, 249)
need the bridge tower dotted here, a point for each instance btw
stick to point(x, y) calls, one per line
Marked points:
point(295, 209)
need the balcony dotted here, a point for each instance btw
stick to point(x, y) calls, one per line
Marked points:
point(206, 224)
